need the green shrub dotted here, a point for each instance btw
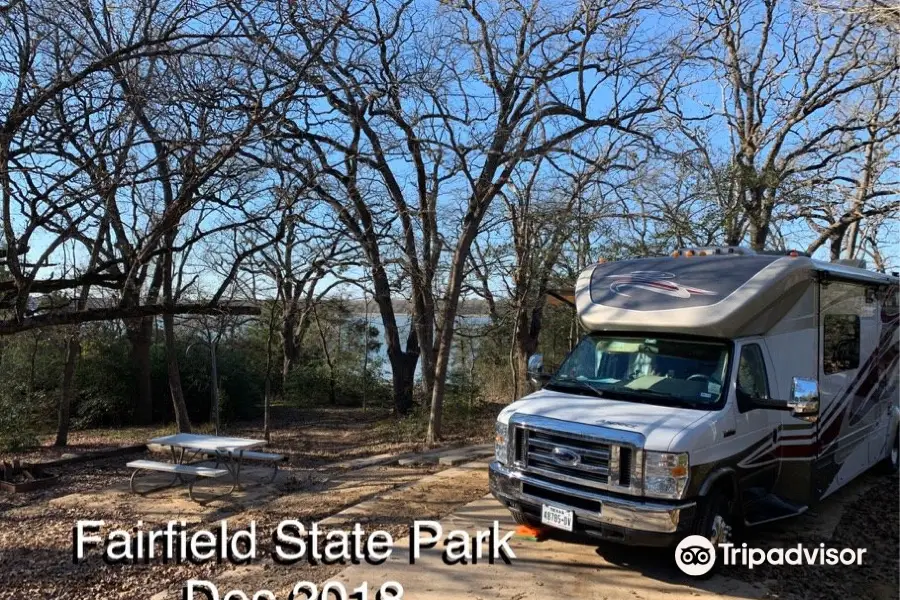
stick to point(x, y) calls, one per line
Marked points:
point(17, 422)
point(104, 382)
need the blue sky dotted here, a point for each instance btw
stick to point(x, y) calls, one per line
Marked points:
point(702, 97)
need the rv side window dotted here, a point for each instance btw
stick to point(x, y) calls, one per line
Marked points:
point(840, 343)
point(751, 377)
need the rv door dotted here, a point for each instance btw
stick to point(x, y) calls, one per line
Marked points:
point(756, 425)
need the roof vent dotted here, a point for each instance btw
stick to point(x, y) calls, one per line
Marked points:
point(852, 262)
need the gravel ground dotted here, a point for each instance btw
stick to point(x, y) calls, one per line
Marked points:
point(871, 521)
point(36, 541)
point(36, 531)
point(36, 535)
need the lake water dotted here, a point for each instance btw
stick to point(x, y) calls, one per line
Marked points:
point(404, 322)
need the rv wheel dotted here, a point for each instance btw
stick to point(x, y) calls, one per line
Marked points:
point(891, 463)
point(715, 521)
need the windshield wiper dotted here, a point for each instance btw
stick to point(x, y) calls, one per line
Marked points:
point(642, 392)
point(674, 400)
point(575, 383)
point(620, 390)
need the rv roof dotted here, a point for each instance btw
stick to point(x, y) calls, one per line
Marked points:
point(724, 295)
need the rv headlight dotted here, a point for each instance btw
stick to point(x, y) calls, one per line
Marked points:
point(665, 474)
point(501, 442)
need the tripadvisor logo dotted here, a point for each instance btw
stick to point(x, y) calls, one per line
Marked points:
point(695, 555)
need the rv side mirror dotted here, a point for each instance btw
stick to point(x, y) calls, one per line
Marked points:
point(536, 369)
point(804, 402)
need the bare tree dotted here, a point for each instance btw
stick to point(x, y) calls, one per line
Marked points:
point(404, 123)
point(59, 173)
point(863, 187)
point(545, 73)
point(542, 205)
point(305, 266)
point(785, 72)
point(42, 58)
point(355, 154)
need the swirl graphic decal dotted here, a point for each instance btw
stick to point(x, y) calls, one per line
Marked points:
point(659, 282)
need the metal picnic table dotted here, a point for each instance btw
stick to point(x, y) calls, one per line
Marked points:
point(186, 447)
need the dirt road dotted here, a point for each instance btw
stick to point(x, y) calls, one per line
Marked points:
point(862, 515)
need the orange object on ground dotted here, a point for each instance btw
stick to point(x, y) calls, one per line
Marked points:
point(528, 532)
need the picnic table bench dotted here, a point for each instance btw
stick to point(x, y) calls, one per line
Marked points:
point(230, 452)
point(264, 457)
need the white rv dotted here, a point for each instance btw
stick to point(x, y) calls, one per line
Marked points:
point(715, 388)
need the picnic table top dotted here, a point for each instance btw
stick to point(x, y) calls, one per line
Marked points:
point(207, 442)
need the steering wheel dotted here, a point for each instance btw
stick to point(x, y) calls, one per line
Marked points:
point(698, 377)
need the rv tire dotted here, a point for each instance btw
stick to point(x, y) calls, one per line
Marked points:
point(890, 464)
point(715, 520)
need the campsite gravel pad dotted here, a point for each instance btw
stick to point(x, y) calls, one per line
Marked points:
point(35, 541)
point(422, 497)
point(36, 537)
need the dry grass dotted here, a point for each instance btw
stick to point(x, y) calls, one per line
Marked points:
point(309, 437)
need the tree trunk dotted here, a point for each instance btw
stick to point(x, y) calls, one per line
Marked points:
point(140, 335)
point(214, 376)
point(181, 415)
point(519, 356)
point(514, 364)
point(837, 241)
point(521, 365)
point(403, 375)
point(365, 365)
point(862, 191)
point(732, 235)
point(423, 325)
point(182, 421)
point(526, 345)
point(761, 219)
point(436, 416)
point(268, 391)
point(289, 341)
point(332, 391)
point(403, 364)
point(759, 232)
point(445, 339)
point(73, 352)
point(425, 343)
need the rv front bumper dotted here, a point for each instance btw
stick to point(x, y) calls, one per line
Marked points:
point(634, 522)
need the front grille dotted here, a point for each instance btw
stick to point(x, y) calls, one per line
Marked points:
point(601, 464)
point(593, 467)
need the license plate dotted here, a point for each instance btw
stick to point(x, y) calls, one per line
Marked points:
point(556, 517)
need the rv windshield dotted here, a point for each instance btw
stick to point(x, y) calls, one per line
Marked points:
point(673, 372)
